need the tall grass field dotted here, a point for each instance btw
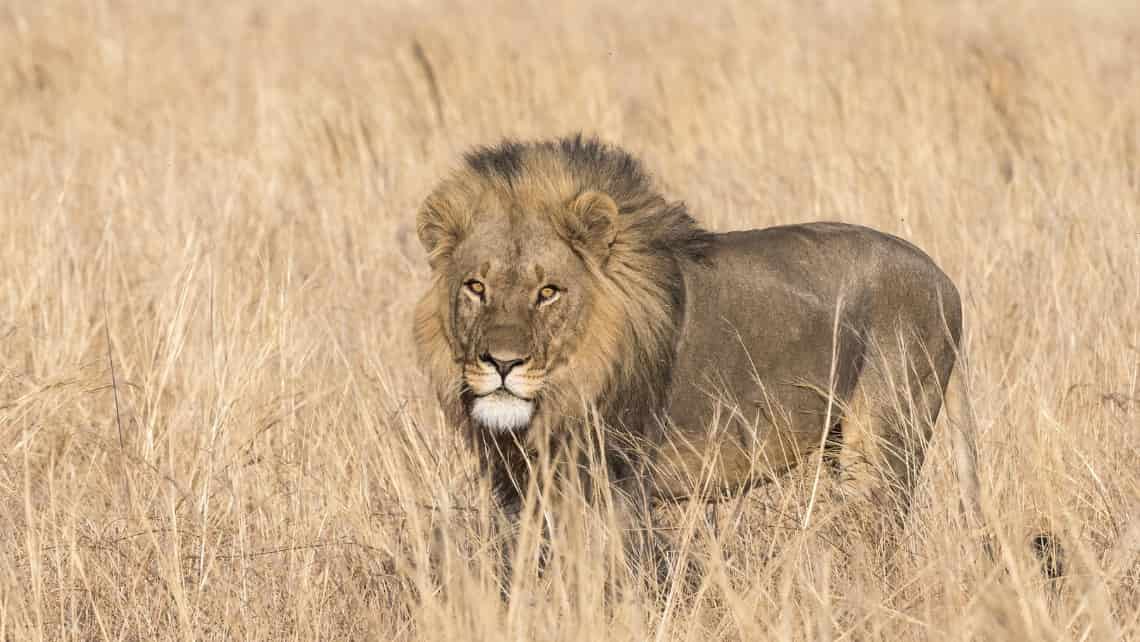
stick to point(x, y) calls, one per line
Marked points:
point(212, 421)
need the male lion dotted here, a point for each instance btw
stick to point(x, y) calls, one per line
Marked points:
point(568, 293)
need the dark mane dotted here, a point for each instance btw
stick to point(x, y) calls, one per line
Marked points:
point(593, 165)
point(625, 367)
point(503, 160)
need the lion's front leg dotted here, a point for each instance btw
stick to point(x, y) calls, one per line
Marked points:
point(505, 524)
point(644, 545)
point(505, 535)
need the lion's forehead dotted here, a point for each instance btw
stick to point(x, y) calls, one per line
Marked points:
point(517, 251)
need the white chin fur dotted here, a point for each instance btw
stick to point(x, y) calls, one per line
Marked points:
point(502, 412)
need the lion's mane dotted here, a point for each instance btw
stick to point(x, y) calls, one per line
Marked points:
point(623, 355)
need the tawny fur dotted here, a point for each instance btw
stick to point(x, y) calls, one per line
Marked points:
point(712, 362)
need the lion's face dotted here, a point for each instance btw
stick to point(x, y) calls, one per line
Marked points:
point(518, 292)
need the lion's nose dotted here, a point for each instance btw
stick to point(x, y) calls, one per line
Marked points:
point(504, 366)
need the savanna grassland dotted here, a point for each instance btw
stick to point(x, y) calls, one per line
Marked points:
point(212, 424)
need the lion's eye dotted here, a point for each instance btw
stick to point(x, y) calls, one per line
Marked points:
point(476, 287)
point(548, 293)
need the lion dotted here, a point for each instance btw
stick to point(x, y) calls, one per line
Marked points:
point(567, 290)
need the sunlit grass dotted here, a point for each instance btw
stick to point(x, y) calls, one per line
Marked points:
point(219, 198)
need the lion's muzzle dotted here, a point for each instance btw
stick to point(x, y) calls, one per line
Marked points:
point(504, 384)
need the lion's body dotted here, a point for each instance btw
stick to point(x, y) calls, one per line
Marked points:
point(791, 332)
point(569, 293)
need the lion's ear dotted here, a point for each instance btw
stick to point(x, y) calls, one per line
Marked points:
point(439, 231)
point(594, 223)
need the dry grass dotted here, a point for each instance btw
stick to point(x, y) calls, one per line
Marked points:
point(220, 197)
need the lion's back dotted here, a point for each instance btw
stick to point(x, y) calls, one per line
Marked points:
point(876, 276)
